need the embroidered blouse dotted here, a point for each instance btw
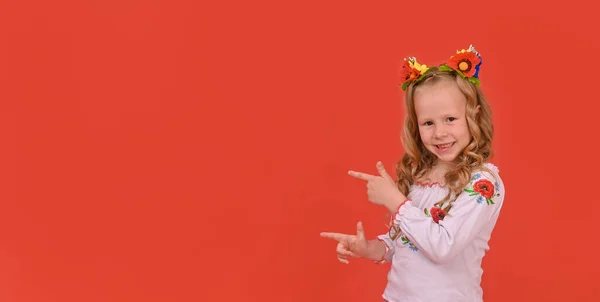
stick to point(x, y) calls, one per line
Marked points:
point(438, 255)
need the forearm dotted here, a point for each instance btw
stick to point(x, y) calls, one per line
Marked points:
point(393, 205)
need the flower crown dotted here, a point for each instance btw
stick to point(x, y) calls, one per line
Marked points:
point(466, 63)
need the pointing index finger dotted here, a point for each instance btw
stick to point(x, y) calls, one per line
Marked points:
point(360, 175)
point(334, 236)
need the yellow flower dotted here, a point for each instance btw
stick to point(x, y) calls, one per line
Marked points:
point(421, 68)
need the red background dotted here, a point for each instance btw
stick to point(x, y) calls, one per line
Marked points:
point(193, 151)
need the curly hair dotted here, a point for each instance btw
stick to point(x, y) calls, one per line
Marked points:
point(417, 161)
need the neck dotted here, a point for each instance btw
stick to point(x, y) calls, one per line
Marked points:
point(444, 167)
point(439, 170)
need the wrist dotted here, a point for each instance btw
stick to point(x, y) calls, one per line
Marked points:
point(377, 250)
point(396, 203)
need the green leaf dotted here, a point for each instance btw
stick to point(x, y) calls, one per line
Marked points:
point(469, 190)
point(475, 81)
point(473, 194)
point(404, 85)
point(445, 68)
point(422, 76)
point(426, 212)
point(461, 74)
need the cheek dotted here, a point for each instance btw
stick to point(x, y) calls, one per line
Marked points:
point(463, 131)
point(424, 135)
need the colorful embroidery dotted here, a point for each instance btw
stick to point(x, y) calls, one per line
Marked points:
point(436, 214)
point(483, 189)
point(411, 246)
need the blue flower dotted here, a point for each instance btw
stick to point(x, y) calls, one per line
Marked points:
point(412, 247)
point(476, 176)
point(476, 75)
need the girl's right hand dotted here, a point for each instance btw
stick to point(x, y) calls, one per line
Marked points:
point(354, 246)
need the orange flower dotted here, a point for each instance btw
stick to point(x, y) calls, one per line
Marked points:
point(464, 62)
point(408, 72)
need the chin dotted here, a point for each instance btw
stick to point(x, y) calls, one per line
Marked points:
point(447, 158)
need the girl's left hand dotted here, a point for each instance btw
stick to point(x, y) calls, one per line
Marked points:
point(382, 190)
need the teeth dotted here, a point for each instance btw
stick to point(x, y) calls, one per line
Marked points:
point(444, 146)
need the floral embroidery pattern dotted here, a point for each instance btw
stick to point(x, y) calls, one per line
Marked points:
point(483, 189)
point(436, 213)
point(411, 246)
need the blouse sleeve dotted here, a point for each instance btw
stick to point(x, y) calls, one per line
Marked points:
point(477, 207)
point(389, 248)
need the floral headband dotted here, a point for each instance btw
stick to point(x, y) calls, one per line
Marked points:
point(466, 63)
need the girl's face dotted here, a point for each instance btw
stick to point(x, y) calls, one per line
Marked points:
point(440, 110)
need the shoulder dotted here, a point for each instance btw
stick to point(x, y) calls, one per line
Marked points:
point(487, 171)
point(489, 168)
point(486, 184)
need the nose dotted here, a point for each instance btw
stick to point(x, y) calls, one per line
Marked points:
point(441, 131)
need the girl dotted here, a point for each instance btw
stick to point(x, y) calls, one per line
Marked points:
point(447, 196)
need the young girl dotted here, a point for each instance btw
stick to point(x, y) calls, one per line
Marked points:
point(447, 196)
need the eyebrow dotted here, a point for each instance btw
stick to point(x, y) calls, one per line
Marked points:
point(454, 114)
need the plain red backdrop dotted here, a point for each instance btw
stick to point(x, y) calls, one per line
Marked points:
point(193, 151)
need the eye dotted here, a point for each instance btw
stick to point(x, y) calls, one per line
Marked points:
point(451, 119)
point(428, 123)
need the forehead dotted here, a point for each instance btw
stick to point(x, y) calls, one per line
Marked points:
point(440, 99)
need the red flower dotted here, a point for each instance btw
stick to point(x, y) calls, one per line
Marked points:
point(485, 188)
point(437, 214)
point(465, 62)
point(408, 73)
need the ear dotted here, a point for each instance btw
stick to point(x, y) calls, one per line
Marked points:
point(477, 109)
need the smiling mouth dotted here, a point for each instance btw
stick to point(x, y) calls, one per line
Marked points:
point(444, 146)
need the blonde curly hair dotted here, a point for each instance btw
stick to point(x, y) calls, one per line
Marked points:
point(417, 161)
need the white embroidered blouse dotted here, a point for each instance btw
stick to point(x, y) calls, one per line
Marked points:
point(439, 258)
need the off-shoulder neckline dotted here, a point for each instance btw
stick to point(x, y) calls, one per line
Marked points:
point(421, 184)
